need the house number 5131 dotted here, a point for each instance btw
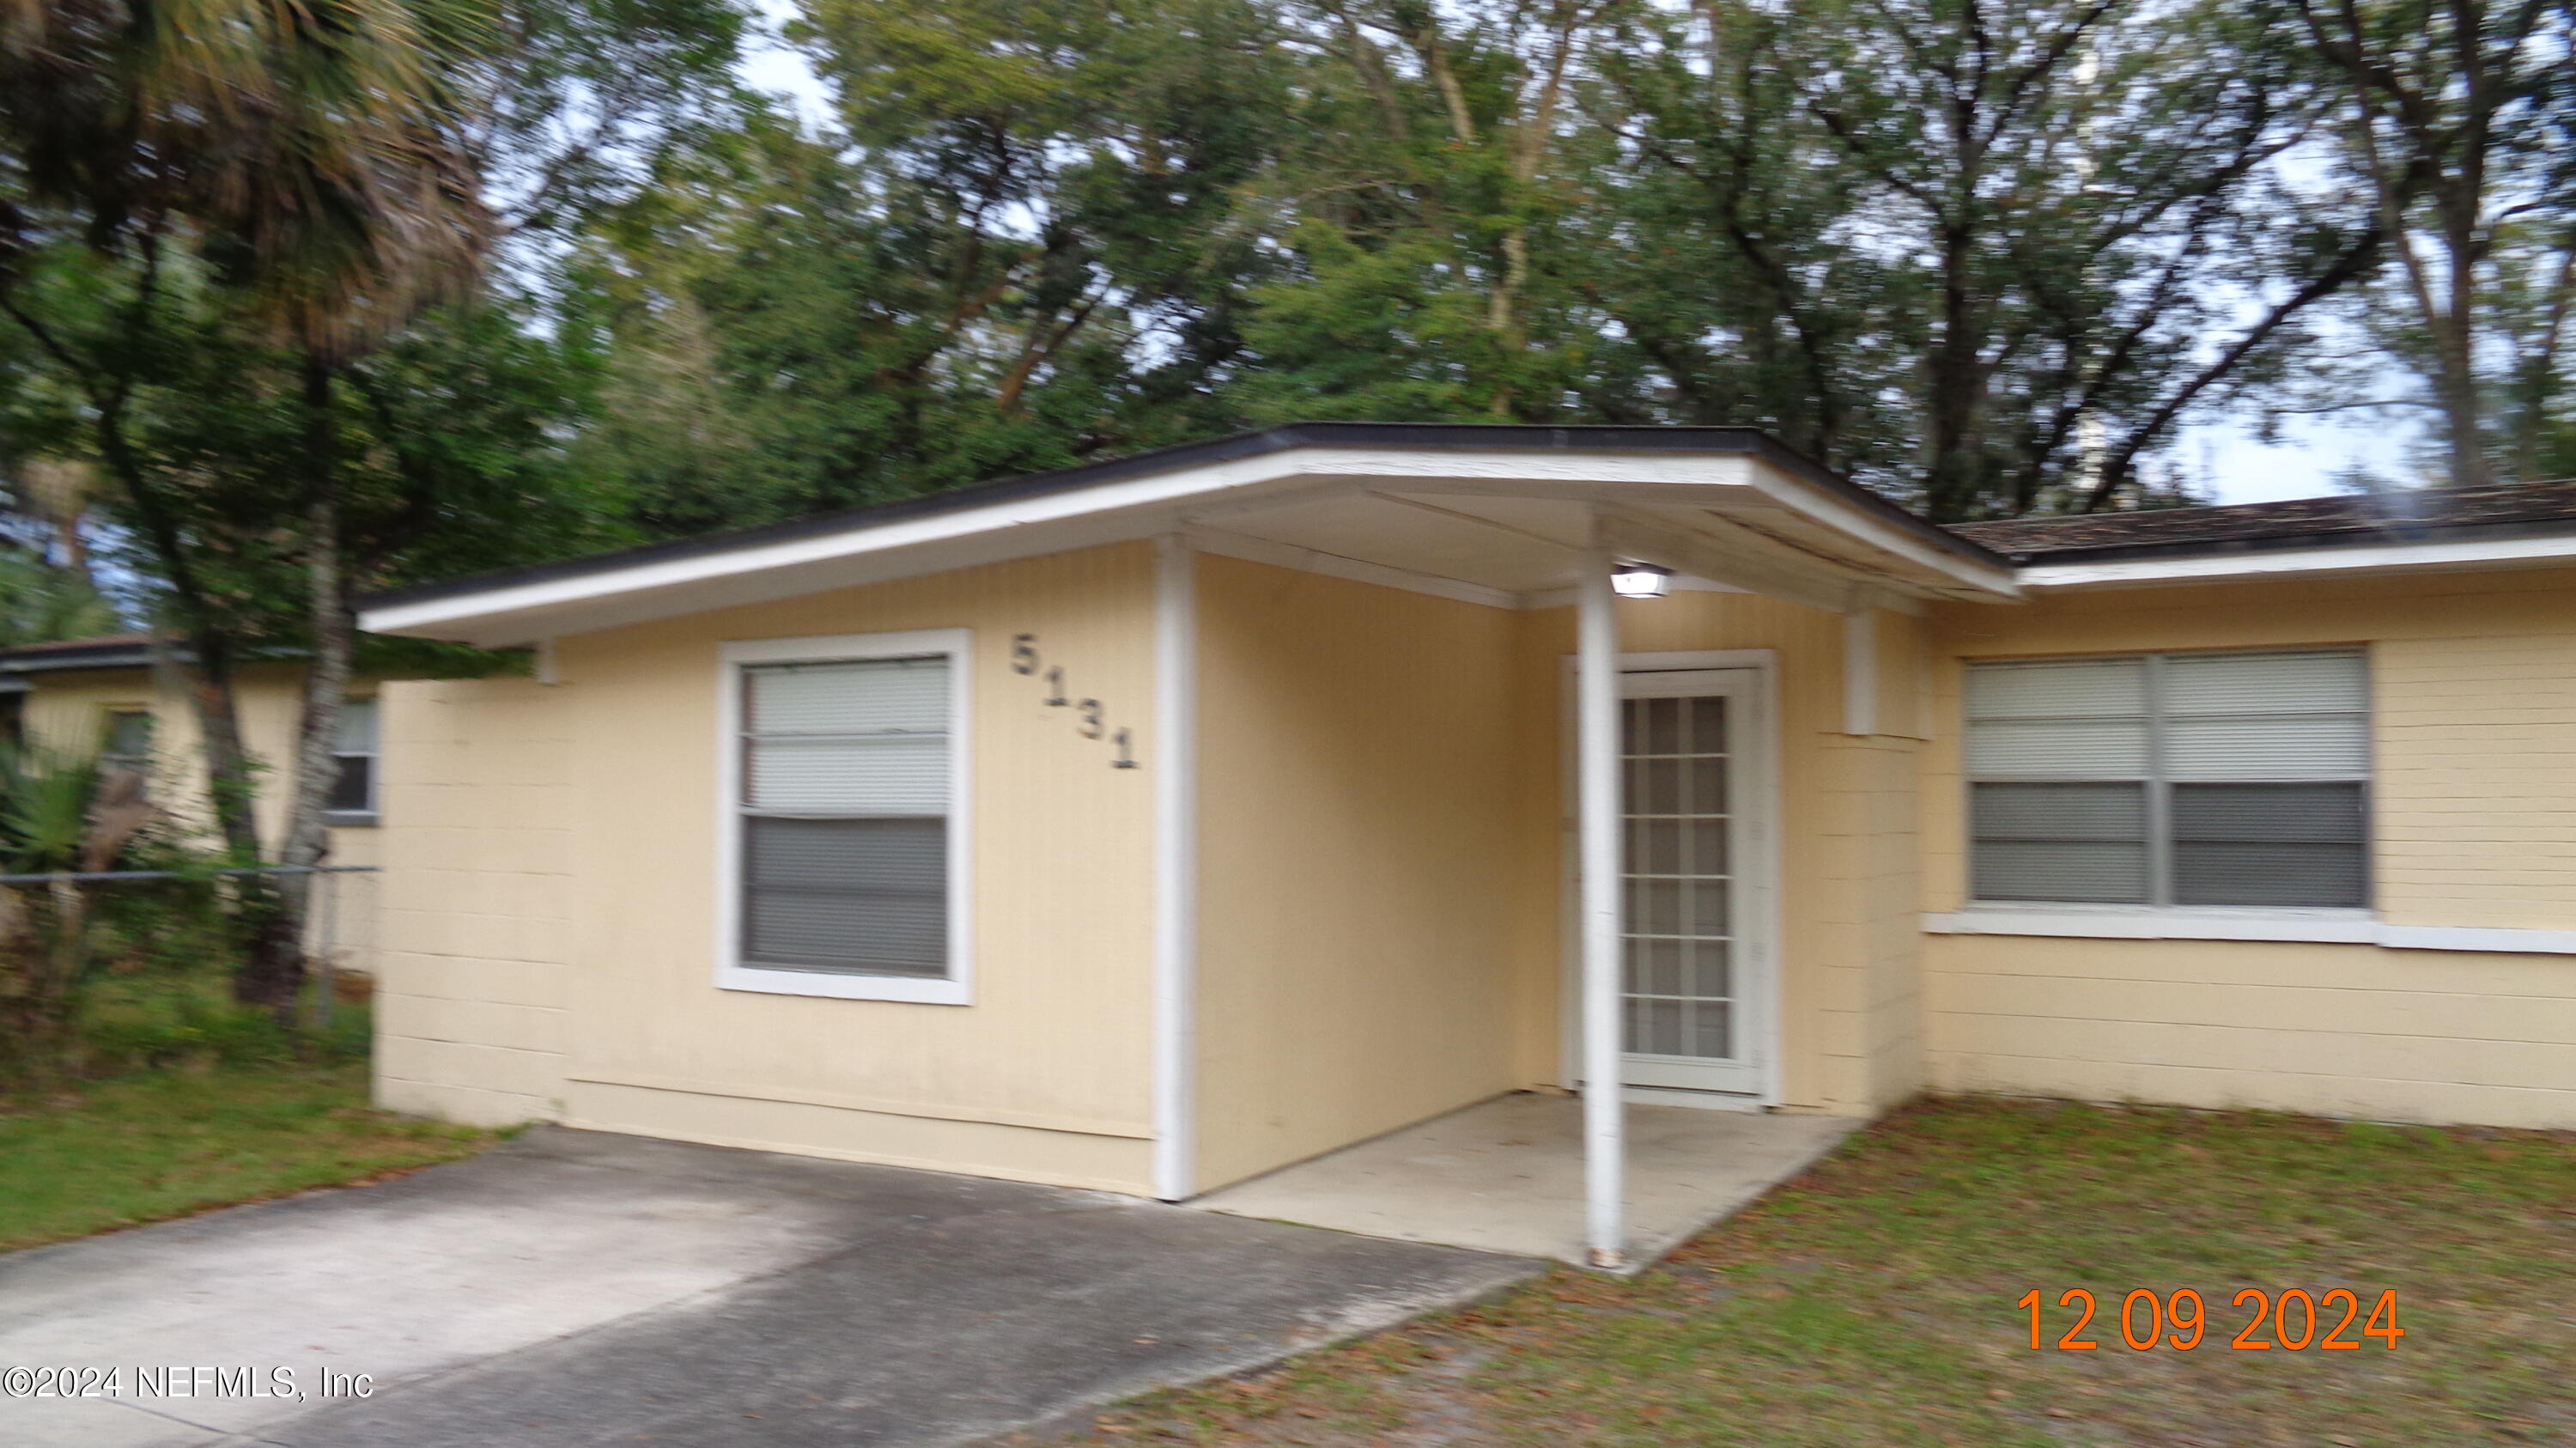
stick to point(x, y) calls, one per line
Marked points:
point(1091, 715)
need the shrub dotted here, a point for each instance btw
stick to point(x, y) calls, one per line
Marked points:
point(61, 938)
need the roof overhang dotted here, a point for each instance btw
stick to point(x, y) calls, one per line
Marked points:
point(86, 656)
point(1499, 514)
point(2358, 558)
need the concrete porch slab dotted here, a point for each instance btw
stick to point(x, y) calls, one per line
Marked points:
point(1506, 1175)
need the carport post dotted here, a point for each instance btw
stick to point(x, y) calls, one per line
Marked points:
point(1596, 752)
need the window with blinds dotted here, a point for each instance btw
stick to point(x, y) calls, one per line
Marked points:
point(844, 850)
point(353, 786)
point(2236, 779)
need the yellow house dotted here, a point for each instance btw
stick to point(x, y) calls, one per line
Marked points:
point(103, 696)
point(1156, 824)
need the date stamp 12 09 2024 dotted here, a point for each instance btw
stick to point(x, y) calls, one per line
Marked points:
point(2293, 1319)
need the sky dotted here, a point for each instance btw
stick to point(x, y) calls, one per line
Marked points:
point(2241, 467)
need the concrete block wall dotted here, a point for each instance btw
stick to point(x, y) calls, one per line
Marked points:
point(476, 901)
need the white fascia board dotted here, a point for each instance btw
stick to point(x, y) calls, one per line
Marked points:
point(1130, 508)
point(1998, 580)
point(1154, 494)
point(2300, 562)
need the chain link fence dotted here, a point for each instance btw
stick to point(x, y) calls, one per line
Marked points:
point(122, 969)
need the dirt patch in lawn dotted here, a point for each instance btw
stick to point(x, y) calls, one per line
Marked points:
point(1876, 1301)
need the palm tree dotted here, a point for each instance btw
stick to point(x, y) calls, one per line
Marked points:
point(317, 162)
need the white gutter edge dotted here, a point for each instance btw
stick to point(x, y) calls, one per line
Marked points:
point(2296, 562)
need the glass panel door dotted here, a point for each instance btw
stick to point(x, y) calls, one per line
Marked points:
point(1680, 1000)
point(1685, 1018)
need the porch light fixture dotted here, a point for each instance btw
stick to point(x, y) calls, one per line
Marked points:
point(1640, 580)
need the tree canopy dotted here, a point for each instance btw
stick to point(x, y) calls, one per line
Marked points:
point(317, 299)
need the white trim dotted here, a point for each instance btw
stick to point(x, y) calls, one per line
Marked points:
point(1761, 873)
point(1818, 506)
point(1758, 786)
point(545, 668)
point(1145, 506)
point(1176, 875)
point(2138, 572)
point(730, 974)
point(2478, 937)
point(2148, 923)
point(1860, 672)
point(1334, 565)
point(371, 813)
point(2321, 927)
point(1598, 887)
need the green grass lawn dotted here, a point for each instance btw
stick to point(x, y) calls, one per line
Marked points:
point(1873, 1302)
point(141, 1148)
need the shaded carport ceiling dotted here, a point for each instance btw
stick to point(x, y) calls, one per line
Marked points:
point(1529, 544)
point(1503, 512)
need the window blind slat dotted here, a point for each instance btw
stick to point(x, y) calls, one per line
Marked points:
point(2314, 746)
point(890, 775)
point(855, 895)
point(2312, 813)
point(2266, 683)
point(2060, 842)
point(2058, 749)
point(861, 696)
point(2273, 873)
point(2058, 688)
point(857, 854)
point(2061, 812)
point(846, 934)
point(2089, 872)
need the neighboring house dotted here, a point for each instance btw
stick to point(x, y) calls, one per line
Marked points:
point(1153, 824)
point(101, 695)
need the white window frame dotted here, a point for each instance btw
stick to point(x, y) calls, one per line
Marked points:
point(2150, 921)
point(957, 644)
point(373, 812)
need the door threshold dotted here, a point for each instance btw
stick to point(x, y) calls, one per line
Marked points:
point(1702, 1100)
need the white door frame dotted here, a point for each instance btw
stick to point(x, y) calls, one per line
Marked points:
point(1756, 785)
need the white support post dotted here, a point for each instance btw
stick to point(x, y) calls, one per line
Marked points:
point(1176, 878)
point(1596, 752)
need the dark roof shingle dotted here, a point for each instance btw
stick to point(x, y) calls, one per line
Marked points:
point(2410, 515)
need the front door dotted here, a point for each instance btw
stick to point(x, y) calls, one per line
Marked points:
point(1692, 971)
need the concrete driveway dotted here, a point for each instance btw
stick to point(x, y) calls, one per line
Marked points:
point(575, 1288)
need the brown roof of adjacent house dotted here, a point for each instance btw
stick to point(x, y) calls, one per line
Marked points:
point(2412, 515)
point(99, 651)
point(94, 641)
